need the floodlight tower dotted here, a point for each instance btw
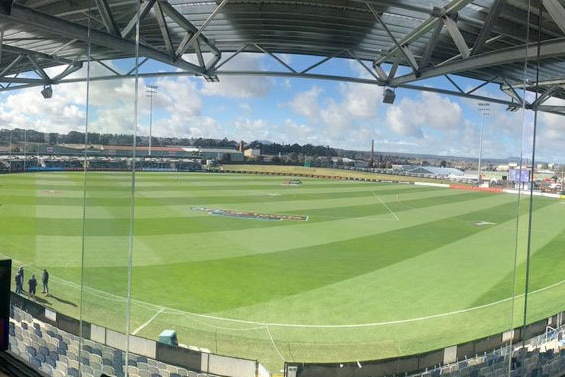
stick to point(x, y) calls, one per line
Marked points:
point(149, 91)
point(484, 108)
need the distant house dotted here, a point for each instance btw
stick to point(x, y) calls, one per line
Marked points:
point(219, 154)
point(252, 153)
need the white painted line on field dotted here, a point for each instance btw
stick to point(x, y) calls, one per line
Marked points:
point(274, 345)
point(387, 207)
point(148, 322)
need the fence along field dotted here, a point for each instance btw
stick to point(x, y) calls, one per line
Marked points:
point(250, 266)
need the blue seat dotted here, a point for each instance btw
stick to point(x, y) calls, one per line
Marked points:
point(31, 351)
point(35, 363)
point(51, 361)
point(118, 355)
point(24, 325)
point(96, 351)
point(73, 372)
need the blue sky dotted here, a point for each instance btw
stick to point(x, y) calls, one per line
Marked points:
point(337, 114)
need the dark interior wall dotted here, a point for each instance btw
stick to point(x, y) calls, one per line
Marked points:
point(5, 280)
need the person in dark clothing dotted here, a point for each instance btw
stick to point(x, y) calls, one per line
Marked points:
point(45, 282)
point(19, 283)
point(32, 286)
point(21, 273)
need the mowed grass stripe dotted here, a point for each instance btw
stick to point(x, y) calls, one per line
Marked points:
point(442, 278)
point(261, 237)
point(408, 288)
point(252, 279)
point(119, 194)
point(546, 258)
point(116, 220)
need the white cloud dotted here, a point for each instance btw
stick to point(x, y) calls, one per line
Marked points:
point(411, 116)
point(306, 103)
point(241, 86)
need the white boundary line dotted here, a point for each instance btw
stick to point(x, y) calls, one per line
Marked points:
point(148, 321)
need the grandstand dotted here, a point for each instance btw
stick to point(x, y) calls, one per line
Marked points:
point(59, 353)
point(34, 163)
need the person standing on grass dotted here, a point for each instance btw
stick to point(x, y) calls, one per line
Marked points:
point(19, 283)
point(32, 286)
point(21, 273)
point(45, 282)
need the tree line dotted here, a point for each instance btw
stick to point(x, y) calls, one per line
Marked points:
point(284, 152)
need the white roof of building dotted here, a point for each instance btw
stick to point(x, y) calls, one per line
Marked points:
point(436, 171)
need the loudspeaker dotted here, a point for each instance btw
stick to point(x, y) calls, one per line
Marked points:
point(47, 91)
point(389, 96)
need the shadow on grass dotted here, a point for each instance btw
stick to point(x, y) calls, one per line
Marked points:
point(63, 301)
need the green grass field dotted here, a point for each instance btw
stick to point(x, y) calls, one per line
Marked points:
point(374, 270)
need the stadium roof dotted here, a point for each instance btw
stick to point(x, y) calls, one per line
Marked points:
point(400, 43)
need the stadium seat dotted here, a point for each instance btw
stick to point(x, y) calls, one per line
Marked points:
point(51, 361)
point(35, 363)
point(95, 358)
point(31, 350)
point(47, 368)
point(41, 357)
point(96, 351)
point(58, 373)
point(108, 369)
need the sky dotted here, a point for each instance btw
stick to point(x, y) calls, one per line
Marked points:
point(286, 110)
